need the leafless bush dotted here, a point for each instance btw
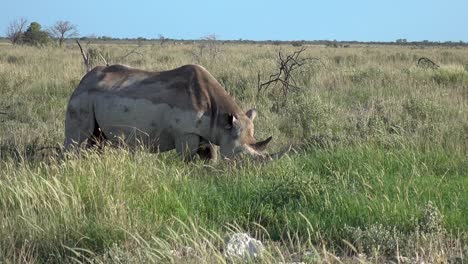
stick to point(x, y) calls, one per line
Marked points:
point(133, 51)
point(285, 76)
point(208, 46)
point(92, 55)
point(15, 30)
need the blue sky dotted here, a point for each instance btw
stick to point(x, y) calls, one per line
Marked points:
point(362, 20)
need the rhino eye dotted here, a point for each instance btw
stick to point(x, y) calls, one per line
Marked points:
point(231, 121)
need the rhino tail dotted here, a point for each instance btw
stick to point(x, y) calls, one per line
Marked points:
point(97, 137)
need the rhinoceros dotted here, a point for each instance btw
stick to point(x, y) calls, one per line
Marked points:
point(185, 109)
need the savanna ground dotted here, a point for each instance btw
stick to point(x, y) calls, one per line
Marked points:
point(381, 175)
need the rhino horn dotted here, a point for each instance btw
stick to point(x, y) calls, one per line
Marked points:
point(261, 146)
point(276, 156)
point(280, 154)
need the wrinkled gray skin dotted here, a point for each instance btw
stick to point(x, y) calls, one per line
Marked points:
point(184, 108)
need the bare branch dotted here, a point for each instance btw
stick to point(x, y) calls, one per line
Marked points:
point(424, 62)
point(208, 43)
point(134, 51)
point(85, 57)
point(15, 30)
point(210, 37)
point(105, 61)
point(287, 65)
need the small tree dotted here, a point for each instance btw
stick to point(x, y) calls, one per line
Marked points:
point(209, 43)
point(15, 30)
point(161, 39)
point(35, 36)
point(62, 30)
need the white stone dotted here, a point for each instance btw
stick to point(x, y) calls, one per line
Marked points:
point(243, 246)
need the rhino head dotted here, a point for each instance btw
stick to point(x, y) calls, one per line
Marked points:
point(237, 135)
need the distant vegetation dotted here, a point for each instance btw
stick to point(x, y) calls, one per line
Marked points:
point(380, 171)
point(62, 30)
point(18, 34)
point(34, 35)
point(65, 30)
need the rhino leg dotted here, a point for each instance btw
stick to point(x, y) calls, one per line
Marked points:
point(80, 129)
point(207, 151)
point(77, 131)
point(187, 146)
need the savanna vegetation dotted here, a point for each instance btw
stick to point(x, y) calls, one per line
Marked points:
point(379, 172)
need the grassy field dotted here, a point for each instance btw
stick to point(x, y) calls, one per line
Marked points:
point(381, 174)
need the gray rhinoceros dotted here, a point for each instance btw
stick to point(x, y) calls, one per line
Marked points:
point(185, 108)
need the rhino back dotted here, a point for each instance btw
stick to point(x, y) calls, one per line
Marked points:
point(153, 101)
point(189, 87)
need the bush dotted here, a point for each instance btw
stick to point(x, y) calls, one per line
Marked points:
point(376, 239)
point(304, 115)
point(420, 115)
point(12, 59)
point(451, 76)
point(35, 36)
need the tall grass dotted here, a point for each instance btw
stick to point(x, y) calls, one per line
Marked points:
point(381, 174)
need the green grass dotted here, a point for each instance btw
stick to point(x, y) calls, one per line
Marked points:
point(383, 162)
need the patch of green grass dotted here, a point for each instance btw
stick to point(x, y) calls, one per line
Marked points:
point(321, 192)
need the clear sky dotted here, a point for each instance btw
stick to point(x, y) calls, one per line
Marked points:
point(362, 20)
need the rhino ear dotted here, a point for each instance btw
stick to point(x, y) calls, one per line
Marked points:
point(251, 114)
